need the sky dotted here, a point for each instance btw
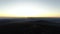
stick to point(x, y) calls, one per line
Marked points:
point(29, 8)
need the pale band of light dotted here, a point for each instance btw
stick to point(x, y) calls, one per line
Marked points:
point(27, 10)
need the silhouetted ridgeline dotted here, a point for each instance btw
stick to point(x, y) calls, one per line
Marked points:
point(31, 25)
point(11, 20)
point(57, 20)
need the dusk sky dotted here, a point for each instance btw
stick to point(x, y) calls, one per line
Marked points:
point(29, 8)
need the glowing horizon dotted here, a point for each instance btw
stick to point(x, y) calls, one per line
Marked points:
point(28, 9)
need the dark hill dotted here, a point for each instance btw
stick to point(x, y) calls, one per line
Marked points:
point(31, 27)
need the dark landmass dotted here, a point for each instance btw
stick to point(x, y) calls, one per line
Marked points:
point(31, 25)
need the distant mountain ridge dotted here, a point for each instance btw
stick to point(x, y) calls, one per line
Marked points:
point(57, 20)
point(47, 21)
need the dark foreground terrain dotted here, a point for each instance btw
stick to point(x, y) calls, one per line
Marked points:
point(30, 27)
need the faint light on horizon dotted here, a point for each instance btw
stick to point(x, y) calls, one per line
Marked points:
point(27, 10)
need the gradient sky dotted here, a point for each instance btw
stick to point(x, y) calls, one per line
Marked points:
point(30, 8)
